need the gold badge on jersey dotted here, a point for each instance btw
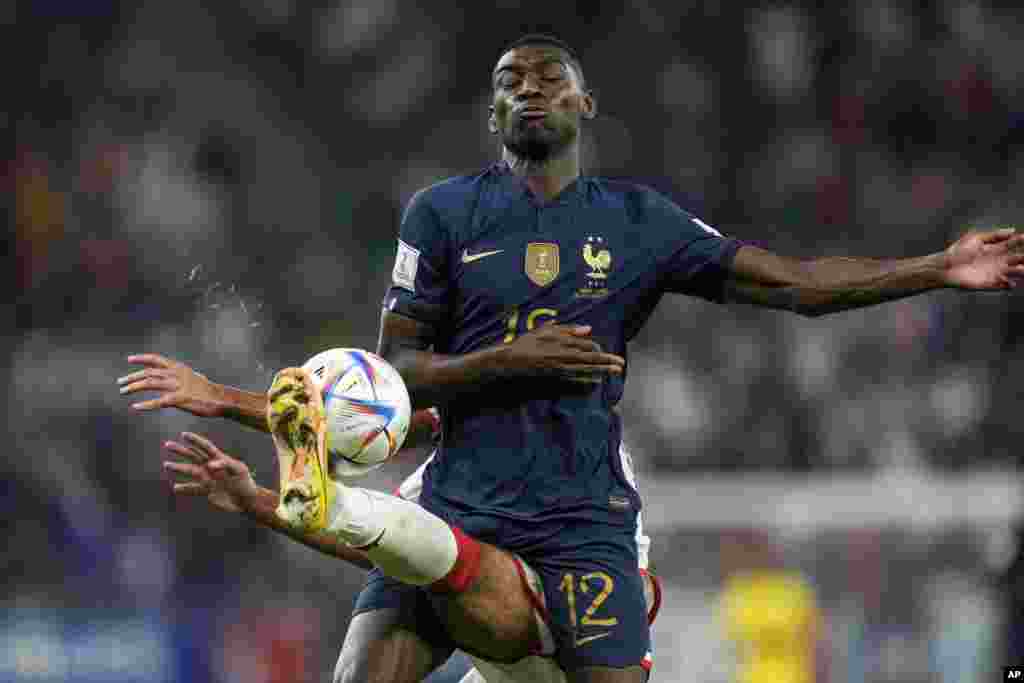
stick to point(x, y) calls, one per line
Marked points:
point(541, 262)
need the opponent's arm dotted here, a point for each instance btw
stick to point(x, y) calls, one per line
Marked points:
point(182, 387)
point(227, 484)
point(978, 261)
point(562, 351)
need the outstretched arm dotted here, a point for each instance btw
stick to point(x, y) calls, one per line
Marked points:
point(182, 387)
point(991, 260)
point(227, 484)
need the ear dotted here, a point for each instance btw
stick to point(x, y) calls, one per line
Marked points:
point(492, 123)
point(588, 105)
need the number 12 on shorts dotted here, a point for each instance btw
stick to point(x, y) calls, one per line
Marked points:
point(585, 585)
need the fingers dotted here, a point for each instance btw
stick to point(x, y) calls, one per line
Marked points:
point(590, 369)
point(580, 344)
point(993, 236)
point(191, 488)
point(150, 384)
point(186, 452)
point(572, 336)
point(165, 401)
point(137, 375)
point(202, 444)
point(152, 360)
point(141, 374)
point(596, 360)
point(194, 472)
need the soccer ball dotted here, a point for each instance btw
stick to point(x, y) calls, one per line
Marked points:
point(367, 408)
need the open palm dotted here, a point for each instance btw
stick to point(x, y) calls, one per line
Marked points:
point(226, 482)
point(986, 260)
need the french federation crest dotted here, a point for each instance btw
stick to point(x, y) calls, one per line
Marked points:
point(597, 258)
point(541, 263)
point(599, 262)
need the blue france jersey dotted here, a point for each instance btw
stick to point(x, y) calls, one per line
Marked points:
point(482, 261)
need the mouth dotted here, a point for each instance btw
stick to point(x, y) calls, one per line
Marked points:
point(530, 113)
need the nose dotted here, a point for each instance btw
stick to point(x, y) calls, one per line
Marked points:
point(528, 86)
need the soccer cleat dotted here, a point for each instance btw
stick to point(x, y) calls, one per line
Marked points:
point(295, 416)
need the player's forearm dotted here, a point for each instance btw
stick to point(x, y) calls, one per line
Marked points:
point(260, 508)
point(829, 285)
point(839, 284)
point(434, 379)
point(244, 407)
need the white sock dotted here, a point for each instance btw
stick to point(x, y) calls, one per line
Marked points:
point(402, 539)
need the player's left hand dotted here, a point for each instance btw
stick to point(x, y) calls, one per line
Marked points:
point(224, 481)
point(179, 385)
point(992, 259)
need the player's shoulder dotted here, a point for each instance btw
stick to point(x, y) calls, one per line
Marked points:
point(455, 190)
point(641, 201)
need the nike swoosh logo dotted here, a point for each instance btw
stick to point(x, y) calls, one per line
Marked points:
point(469, 258)
point(584, 641)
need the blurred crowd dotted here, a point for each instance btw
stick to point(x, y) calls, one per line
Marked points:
point(222, 184)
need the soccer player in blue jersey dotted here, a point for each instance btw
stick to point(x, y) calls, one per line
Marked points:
point(515, 292)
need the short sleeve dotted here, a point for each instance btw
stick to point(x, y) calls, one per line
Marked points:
point(419, 280)
point(697, 258)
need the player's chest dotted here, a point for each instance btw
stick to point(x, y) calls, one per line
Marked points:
point(560, 257)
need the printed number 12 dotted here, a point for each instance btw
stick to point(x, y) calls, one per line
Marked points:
point(568, 587)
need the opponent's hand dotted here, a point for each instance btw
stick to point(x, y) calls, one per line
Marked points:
point(226, 482)
point(563, 351)
point(179, 385)
point(992, 259)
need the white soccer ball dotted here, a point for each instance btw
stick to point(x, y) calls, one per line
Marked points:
point(367, 408)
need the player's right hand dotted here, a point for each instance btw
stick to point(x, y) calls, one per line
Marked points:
point(224, 481)
point(179, 385)
point(562, 351)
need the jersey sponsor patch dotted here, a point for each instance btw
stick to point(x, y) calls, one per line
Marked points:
point(406, 262)
point(705, 226)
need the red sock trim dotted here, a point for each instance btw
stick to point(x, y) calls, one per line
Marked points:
point(466, 567)
point(652, 613)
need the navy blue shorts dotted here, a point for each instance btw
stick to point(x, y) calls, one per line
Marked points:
point(592, 589)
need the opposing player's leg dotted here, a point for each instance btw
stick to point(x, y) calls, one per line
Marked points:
point(477, 589)
point(380, 648)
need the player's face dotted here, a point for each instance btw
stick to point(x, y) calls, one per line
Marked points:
point(538, 102)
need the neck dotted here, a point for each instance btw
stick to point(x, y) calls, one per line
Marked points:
point(547, 178)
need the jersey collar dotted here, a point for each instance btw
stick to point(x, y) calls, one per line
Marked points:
point(572, 194)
